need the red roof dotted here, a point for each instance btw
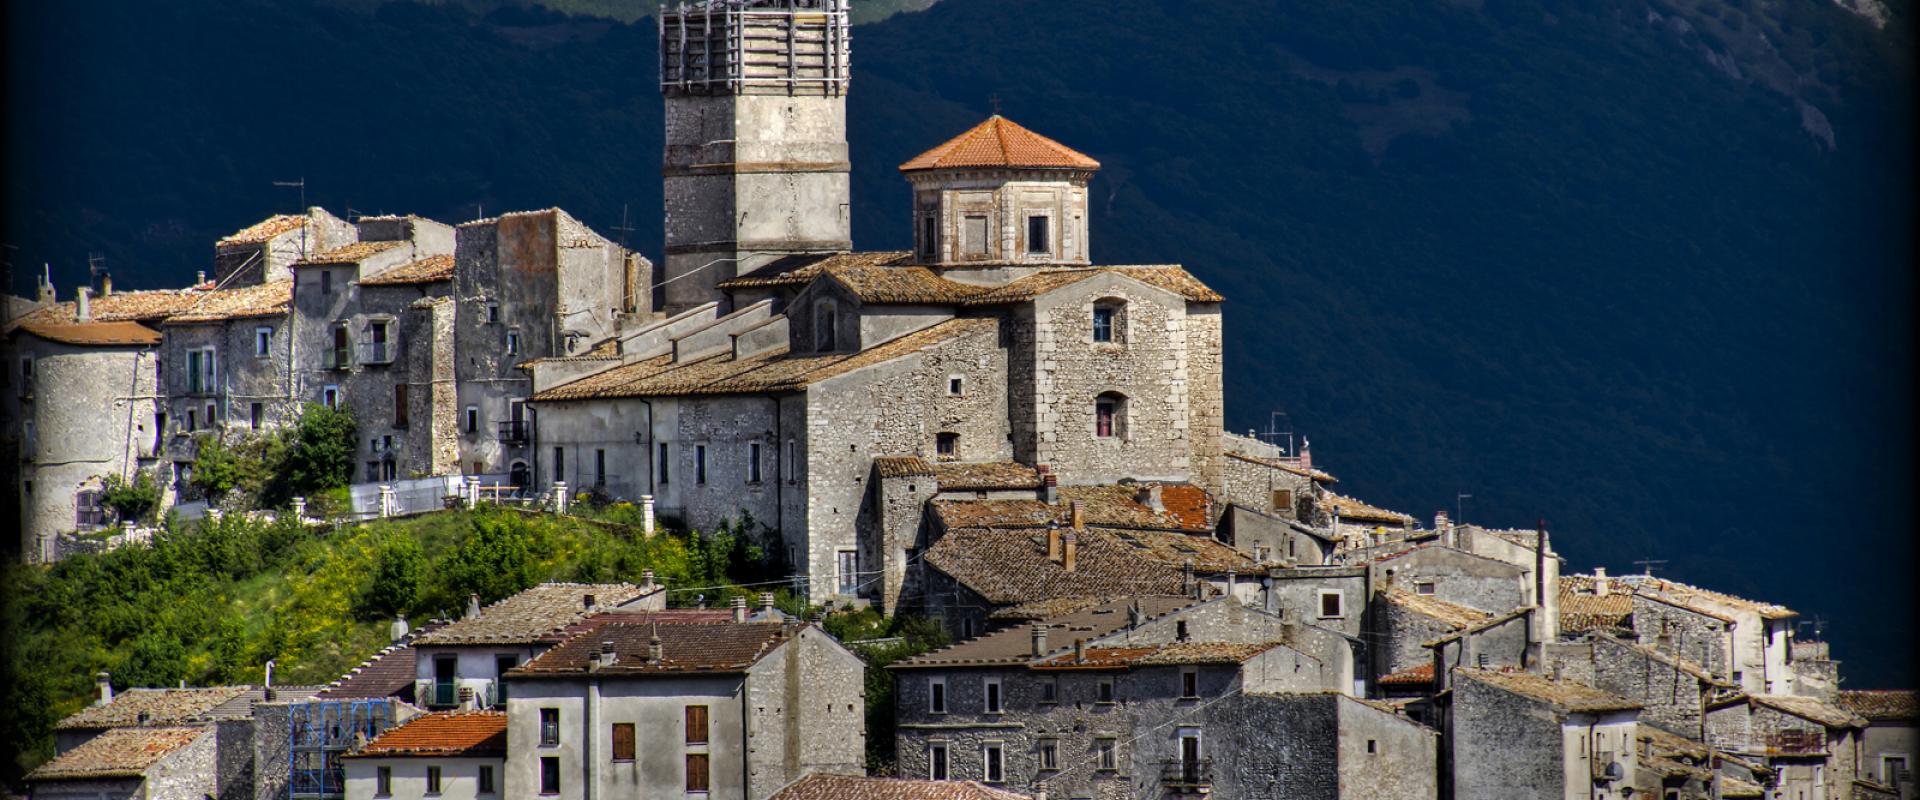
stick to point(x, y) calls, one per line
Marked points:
point(999, 142)
point(473, 733)
point(94, 333)
point(1417, 676)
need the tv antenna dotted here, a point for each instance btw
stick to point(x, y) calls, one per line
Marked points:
point(1273, 432)
point(94, 268)
point(623, 228)
point(1819, 624)
point(300, 184)
point(1648, 565)
point(1459, 507)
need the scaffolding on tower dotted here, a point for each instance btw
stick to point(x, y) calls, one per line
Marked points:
point(319, 733)
point(794, 47)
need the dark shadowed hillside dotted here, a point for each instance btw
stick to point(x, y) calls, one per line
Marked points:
point(1638, 267)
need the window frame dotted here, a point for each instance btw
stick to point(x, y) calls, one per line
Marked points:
point(256, 415)
point(705, 772)
point(433, 779)
point(665, 463)
point(946, 445)
point(846, 581)
point(559, 463)
point(1048, 752)
point(939, 768)
point(621, 743)
point(976, 247)
point(401, 403)
point(1049, 689)
point(329, 396)
point(473, 419)
point(700, 465)
point(383, 781)
point(1189, 683)
point(753, 462)
point(1106, 317)
point(1106, 690)
point(1041, 245)
point(263, 341)
point(549, 727)
point(1106, 753)
point(993, 761)
point(993, 695)
point(549, 775)
point(937, 694)
point(704, 715)
point(483, 780)
point(1339, 600)
point(1110, 415)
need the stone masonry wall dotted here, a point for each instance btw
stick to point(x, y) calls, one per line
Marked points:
point(1504, 745)
point(91, 414)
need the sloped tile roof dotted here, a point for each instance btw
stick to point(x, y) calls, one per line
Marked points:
point(1176, 653)
point(269, 299)
point(538, 614)
point(161, 707)
point(349, 253)
point(1014, 644)
point(1351, 508)
point(1114, 505)
point(480, 734)
point(1050, 607)
point(1168, 277)
point(1704, 601)
point(1581, 610)
point(389, 673)
point(773, 371)
point(1673, 745)
point(265, 229)
point(1419, 675)
point(902, 467)
point(900, 284)
point(821, 786)
point(981, 476)
point(1455, 615)
point(117, 753)
point(1316, 474)
point(998, 142)
point(1562, 694)
point(137, 306)
point(714, 648)
point(799, 270)
point(93, 334)
point(1807, 708)
point(1882, 705)
point(1010, 566)
point(431, 269)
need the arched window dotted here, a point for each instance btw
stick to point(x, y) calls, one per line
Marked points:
point(1110, 416)
point(826, 326)
point(1109, 321)
point(518, 476)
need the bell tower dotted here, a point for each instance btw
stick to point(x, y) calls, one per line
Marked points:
point(756, 142)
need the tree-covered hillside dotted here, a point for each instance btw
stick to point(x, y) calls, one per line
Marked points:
point(1638, 267)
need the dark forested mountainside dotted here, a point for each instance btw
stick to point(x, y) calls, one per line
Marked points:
point(1634, 266)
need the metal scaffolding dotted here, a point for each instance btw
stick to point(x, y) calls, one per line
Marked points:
point(319, 733)
point(796, 47)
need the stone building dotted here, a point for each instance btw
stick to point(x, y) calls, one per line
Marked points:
point(1522, 736)
point(822, 786)
point(730, 710)
point(1813, 746)
point(454, 756)
point(1148, 697)
point(1673, 692)
point(460, 665)
point(1890, 746)
point(152, 763)
point(222, 718)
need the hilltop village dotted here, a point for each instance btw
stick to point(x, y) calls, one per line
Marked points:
point(990, 431)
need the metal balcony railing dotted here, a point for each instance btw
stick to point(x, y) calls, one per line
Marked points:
point(377, 352)
point(1797, 742)
point(1182, 775)
point(513, 431)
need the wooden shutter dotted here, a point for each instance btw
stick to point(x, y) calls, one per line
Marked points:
point(623, 741)
point(1283, 499)
point(696, 724)
point(400, 405)
point(696, 772)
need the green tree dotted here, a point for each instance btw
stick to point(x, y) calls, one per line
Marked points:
point(217, 467)
point(321, 454)
point(498, 558)
point(397, 578)
point(131, 500)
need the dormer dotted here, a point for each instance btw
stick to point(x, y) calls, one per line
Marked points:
point(1000, 196)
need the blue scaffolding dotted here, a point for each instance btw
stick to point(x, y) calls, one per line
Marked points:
point(318, 733)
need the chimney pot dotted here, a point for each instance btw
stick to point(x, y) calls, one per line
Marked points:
point(1069, 550)
point(106, 284)
point(655, 651)
point(739, 609)
point(766, 604)
point(473, 605)
point(1079, 515)
point(105, 684)
point(1053, 542)
point(199, 277)
point(82, 310)
point(1050, 489)
point(1039, 639)
point(1079, 649)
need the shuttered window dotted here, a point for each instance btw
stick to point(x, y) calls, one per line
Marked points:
point(696, 772)
point(623, 741)
point(696, 724)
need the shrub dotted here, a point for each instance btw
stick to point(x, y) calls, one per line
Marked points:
point(399, 572)
point(321, 452)
point(131, 500)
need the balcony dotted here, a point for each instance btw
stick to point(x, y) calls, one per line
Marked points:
point(458, 694)
point(337, 358)
point(377, 352)
point(513, 431)
point(1181, 776)
point(1797, 742)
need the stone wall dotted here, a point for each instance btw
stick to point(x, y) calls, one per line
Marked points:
point(1399, 636)
point(1695, 637)
point(1458, 577)
point(1503, 745)
point(89, 413)
point(1672, 698)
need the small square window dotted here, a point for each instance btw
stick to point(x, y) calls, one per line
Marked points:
point(1189, 683)
point(1104, 692)
point(947, 445)
point(1423, 587)
point(1050, 689)
point(549, 774)
point(1333, 604)
point(493, 312)
point(1107, 753)
point(956, 385)
point(623, 741)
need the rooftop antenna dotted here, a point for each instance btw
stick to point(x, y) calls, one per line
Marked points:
point(1273, 432)
point(1819, 624)
point(623, 228)
point(995, 100)
point(1648, 565)
point(94, 270)
point(1459, 507)
point(300, 184)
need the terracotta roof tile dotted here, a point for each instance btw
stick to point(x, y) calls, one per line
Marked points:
point(723, 648)
point(1114, 505)
point(1807, 708)
point(982, 476)
point(820, 786)
point(349, 253)
point(1351, 508)
point(93, 334)
point(799, 270)
point(538, 614)
point(998, 142)
point(900, 284)
point(389, 673)
point(1455, 615)
point(1014, 645)
point(1703, 600)
point(1561, 694)
point(1157, 655)
point(902, 467)
point(159, 706)
point(117, 753)
point(431, 269)
point(1170, 278)
point(1316, 474)
point(269, 299)
point(266, 229)
point(138, 306)
point(1420, 675)
point(1050, 607)
point(1011, 566)
point(1582, 610)
point(451, 734)
point(773, 371)
point(1882, 705)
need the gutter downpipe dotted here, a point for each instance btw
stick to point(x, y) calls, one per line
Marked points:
point(592, 752)
point(646, 452)
point(746, 765)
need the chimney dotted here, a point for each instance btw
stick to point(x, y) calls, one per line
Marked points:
point(199, 277)
point(607, 655)
point(48, 294)
point(1079, 516)
point(106, 284)
point(269, 679)
point(587, 603)
point(655, 652)
point(1039, 639)
point(1186, 577)
point(473, 605)
point(1079, 649)
point(1601, 586)
point(82, 310)
point(1306, 454)
point(399, 629)
point(1440, 520)
point(647, 519)
point(646, 581)
point(105, 685)
point(1050, 489)
point(766, 604)
point(1053, 542)
point(739, 608)
point(1149, 496)
point(1069, 550)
